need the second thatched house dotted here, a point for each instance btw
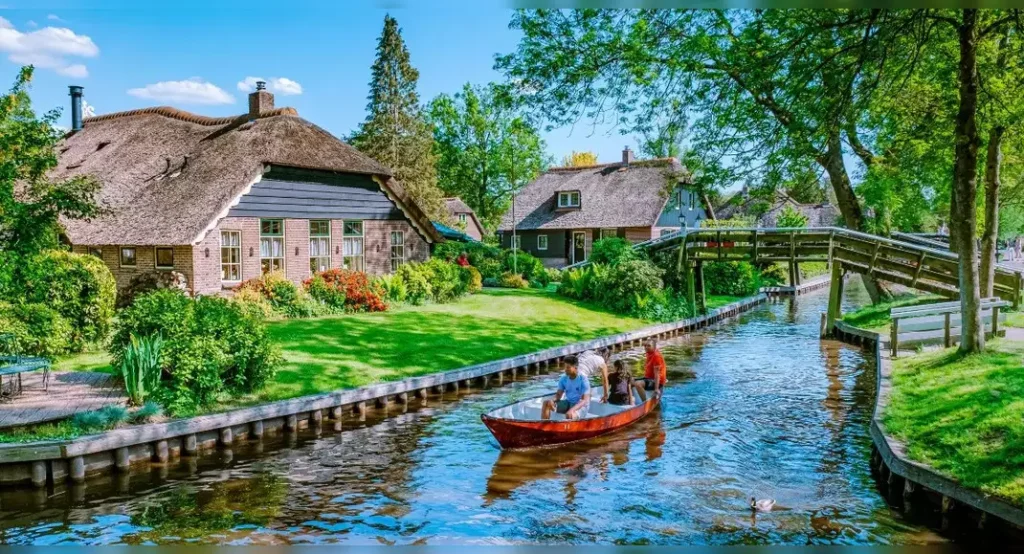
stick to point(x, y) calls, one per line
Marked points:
point(559, 215)
point(765, 212)
point(222, 200)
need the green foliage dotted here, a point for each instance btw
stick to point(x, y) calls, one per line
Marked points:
point(393, 287)
point(284, 297)
point(345, 290)
point(526, 265)
point(774, 274)
point(510, 280)
point(474, 281)
point(629, 286)
point(484, 149)
point(789, 218)
point(731, 278)
point(140, 367)
point(395, 132)
point(446, 281)
point(78, 286)
point(490, 282)
point(146, 413)
point(37, 328)
point(612, 251)
point(28, 144)
point(417, 283)
point(211, 345)
point(105, 418)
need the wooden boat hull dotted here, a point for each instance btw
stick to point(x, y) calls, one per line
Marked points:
point(515, 433)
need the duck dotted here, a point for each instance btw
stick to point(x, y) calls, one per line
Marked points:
point(763, 505)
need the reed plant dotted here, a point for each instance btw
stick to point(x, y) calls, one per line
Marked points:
point(140, 367)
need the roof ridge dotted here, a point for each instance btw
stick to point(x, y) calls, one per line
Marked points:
point(182, 115)
point(650, 161)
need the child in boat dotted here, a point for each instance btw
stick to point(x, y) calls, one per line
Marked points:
point(573, 395)
point(620, 383)
point(655, 370)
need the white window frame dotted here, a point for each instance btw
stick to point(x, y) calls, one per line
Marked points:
point(319, 244)
point(135, 256)
point(542, 242)
point(608, 233)
point(349, 243)
point(237, 246)
point(272, 238)
point(156, 257)
point(397, 249)
point(569, 199)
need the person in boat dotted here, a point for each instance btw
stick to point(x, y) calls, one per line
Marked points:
point(593, 363)
point(573, 395)
point(620, 385)
point(655, 370)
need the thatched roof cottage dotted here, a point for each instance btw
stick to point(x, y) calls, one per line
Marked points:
point(558, 216)
point(464, 217)
point(222, 200)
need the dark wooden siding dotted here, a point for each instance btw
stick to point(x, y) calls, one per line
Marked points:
point(556, 242)
point(332, 196)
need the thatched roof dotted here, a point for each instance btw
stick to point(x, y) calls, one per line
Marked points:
point(456, 206)
point(742, 204)
point(611, 195)
point(169, 175)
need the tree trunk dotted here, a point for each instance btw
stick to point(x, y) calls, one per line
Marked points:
point(993, 165)
point(849, 206)
point(965, 187)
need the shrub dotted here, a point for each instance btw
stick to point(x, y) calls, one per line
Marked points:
point(731, 278)
point(554, 275)
point(148, 412)
point(512, 281)
point(628, 286)
point(772, 274)
point(789, 217)
point(283, 295)
point(140, 367)
point(102, 419)
point(612, 251)
point(490, 267)
point(151, 280)
point(490, 282)
point(474, 281)
point(535, 284)
point(663, 305)
point(525, 264)
point(210, 345)
point(346, 289)
point(392, 287)
point(253, 302)
point(37, 328)
point(79, 287)
point(417, 283)
point(446, 281)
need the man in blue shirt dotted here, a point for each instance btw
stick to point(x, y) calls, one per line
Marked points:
point(573, 395)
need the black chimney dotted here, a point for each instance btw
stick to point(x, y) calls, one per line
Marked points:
point(76, 107)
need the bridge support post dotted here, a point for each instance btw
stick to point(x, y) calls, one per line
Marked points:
point(835, 297)
point(701, 290)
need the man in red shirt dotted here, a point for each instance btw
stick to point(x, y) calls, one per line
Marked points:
point(655, 371)
point(463, 260)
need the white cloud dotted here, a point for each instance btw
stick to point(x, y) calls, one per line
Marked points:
point(32, 24)
point(280, 85)
point(88, 110)
point(52, 17)
point(189, 91)
point(47, 48)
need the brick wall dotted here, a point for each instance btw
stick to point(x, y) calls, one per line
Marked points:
point(296, 249)
point(145, 261)
point(378, 245)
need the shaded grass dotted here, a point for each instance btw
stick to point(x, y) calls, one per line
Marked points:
point(91, 360)
point(964, 416)
point(60, 430)
point(716, 301)
point(1015, 319)
point(875, 317)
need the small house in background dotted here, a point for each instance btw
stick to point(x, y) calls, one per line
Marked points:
point(464, 218)
point(558, 216)
point(765, 212)
point(223, 200)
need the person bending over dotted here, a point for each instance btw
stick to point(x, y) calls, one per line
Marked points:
point(573, 395)
point(591, 364)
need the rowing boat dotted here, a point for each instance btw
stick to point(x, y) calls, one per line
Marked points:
point(519, 425)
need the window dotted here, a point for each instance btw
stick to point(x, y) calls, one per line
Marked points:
point(164, 257)
point(569, 199)
point(271, 245)
point(319, 245)
point(462, 219)
point(98, 252)
point(128, 256)
point(231, 256)
point(517, 242)
point(609, 233)
point(542, 242)
point(667, 232)
point(352, 232)
point(397, 249)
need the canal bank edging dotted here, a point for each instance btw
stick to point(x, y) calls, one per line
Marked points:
point(51, 462)
point(889, 456)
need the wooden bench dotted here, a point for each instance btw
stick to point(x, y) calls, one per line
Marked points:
point(14, 365)
point(939, 322)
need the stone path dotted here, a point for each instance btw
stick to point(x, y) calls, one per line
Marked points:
point(69, 392)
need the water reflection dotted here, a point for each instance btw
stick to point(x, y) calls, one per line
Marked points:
point(754, 408)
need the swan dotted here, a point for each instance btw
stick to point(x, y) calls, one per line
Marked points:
point(763, 505)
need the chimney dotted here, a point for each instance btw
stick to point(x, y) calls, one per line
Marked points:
point(76, 107)
point(260, 101)
point(627, 156)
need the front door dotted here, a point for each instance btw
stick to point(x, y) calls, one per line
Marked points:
point(579, 246)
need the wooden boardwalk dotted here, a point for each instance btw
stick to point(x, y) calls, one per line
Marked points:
point(69, 393)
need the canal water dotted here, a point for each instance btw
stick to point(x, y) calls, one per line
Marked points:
point(756, 407)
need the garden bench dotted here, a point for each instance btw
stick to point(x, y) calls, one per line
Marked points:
point(14, 365)
point(940, 321)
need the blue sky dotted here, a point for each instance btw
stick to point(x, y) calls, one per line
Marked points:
point(121, 54)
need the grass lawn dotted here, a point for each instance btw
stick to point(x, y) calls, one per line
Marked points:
point(875, 317)
point(1015, 319)
point(964, 416)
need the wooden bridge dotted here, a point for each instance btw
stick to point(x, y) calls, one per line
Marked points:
point(915, 264)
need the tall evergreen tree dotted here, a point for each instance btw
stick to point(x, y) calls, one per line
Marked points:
point(395, 132)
